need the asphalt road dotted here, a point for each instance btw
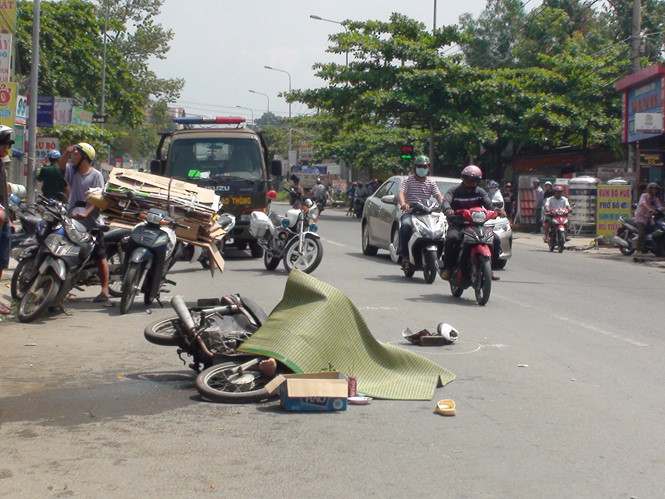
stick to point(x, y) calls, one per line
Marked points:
point(559, 391)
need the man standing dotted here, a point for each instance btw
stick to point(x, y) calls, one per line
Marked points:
point(6, 142)
point(81, 177)
point(53, 181)
point(416, 187)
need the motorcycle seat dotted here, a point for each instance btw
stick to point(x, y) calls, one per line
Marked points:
point(115, 234)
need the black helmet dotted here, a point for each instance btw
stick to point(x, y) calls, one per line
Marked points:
point(653, 185)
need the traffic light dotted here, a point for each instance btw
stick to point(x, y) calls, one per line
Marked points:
point(407, 152)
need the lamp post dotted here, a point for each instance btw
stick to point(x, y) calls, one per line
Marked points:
point(266, 96)
point(106, 27)
point(319, 18)
point(289, 75)
point(250, 110)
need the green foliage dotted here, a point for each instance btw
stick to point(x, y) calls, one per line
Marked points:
point(73, 134)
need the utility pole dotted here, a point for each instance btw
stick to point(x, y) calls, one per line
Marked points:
point(32, 113)
point(635, 41)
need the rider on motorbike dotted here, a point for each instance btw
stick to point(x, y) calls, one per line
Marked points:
point(552, 203)
point(416, 187)
point(495, 193)
point(319, 193)
point(647, 206)
point(464, 196)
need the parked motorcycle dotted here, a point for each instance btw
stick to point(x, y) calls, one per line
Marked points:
point(62, 262)
point(473, 266)
point(291, 237)
point(558, 229)
point(26, 252)
point(211, 333)
point(426, 242)
point(151, 251)
point(654, 242)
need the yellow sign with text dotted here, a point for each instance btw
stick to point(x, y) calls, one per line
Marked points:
point(7, 103)
point(613, 201)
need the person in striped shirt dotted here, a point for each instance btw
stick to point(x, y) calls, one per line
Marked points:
point(465, 196)
point(416, 187)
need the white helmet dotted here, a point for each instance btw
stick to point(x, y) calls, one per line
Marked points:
point(6, 135)
point(448, 332)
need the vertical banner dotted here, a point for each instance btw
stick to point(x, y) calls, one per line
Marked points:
point(613, 201)
point(5, 57)
point(62, 111)
point(45, 111)
point(7, 103)
point(8, 16)
point(21, 116)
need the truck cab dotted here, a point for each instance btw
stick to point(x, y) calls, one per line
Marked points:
point(223, 155)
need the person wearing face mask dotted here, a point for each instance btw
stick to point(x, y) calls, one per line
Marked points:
point(416, 187)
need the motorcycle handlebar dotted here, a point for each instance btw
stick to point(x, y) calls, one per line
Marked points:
point(221, 310)
point(178, 304)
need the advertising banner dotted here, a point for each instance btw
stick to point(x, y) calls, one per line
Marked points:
point(644, 99)
point(5, 56)
point(21, 117)
point(613, 201)
point(44, 145)
point(7, 103)
point(8, 16)
point(45, 111)
point(62, 111)
point(81, 117)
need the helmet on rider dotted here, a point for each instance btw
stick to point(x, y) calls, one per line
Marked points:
point(271, 194)
point(6, 135)
point(492, 185)
point(421, 166)
point(509, 184)
point(558, 190)
point(354, 183)
point(318, 180)
point(421, 160)
point(53, 154)
point(472, 173)
point(86, 150)
point(653, 185)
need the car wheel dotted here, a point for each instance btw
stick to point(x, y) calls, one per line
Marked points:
point(368, 249)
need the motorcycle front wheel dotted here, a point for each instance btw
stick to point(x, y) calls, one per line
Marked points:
point(22, 276)
point(624, 234)
point(226, 383)
point(483, 285)
point(455, 288)
point(431, 267)
point(270, 261)
point(39, 296)
point(130, 286)
point(309, 259)
point(560, 240)
point(164, 332)
point(115, 274)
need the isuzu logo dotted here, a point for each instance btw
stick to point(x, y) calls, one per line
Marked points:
point(222, 188)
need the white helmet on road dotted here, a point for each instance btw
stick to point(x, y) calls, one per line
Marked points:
point(448, 332)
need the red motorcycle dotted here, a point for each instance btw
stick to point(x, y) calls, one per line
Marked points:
point(558, 228)
point(474, 260)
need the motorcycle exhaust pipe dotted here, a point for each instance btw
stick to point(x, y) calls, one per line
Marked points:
point(178, 304)
point(619, 241)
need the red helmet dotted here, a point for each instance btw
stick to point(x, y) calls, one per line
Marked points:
point(271, 194)
point(472, 171)
point(354, 183)
point(509, 184)
point(558, 188)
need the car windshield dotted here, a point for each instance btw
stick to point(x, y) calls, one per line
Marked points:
point(216, 158)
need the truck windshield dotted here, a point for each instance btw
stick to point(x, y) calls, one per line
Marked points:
point(216, 158)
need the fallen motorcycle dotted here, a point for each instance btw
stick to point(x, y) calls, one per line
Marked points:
point(473, 267)
point(211, 333)
point(289, 237)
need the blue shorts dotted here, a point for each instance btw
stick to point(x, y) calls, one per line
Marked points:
point(5, 244)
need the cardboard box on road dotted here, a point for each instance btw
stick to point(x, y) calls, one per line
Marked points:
point(325, 391)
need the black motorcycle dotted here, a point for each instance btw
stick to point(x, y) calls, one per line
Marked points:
point(211, 333)
point(151, 250)
point(654, 242)
point(62, 260)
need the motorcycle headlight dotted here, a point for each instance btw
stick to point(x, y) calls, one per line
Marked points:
point(422, 228)
point(479, 217)
point(162, 238)
point(74, 233)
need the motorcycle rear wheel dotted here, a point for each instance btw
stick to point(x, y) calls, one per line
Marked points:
point(312, 254)
point(624, 234)
point(431, 267)
point(130, 286)
point(270, 261)
point(164, 332)
point(22, 276)
point(38, 297)
point(483, 286)
point(222, 383)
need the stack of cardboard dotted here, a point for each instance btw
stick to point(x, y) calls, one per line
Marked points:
point(130, 191)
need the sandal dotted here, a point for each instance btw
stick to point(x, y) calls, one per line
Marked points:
point(4, 309)
point(101, 298)
point(445, 407)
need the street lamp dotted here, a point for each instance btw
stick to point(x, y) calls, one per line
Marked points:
point(319, 18)
point(289, 75)
point(266, 96)
point(248, 109)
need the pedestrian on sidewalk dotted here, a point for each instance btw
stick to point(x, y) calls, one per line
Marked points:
point(6, 142)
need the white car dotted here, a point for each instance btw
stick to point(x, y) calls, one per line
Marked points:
point(381, 215)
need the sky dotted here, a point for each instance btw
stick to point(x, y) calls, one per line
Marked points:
point(220, 47)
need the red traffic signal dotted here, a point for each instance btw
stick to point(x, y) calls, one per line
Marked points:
point(407, 151)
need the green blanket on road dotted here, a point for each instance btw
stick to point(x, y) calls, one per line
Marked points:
point(316, 327)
